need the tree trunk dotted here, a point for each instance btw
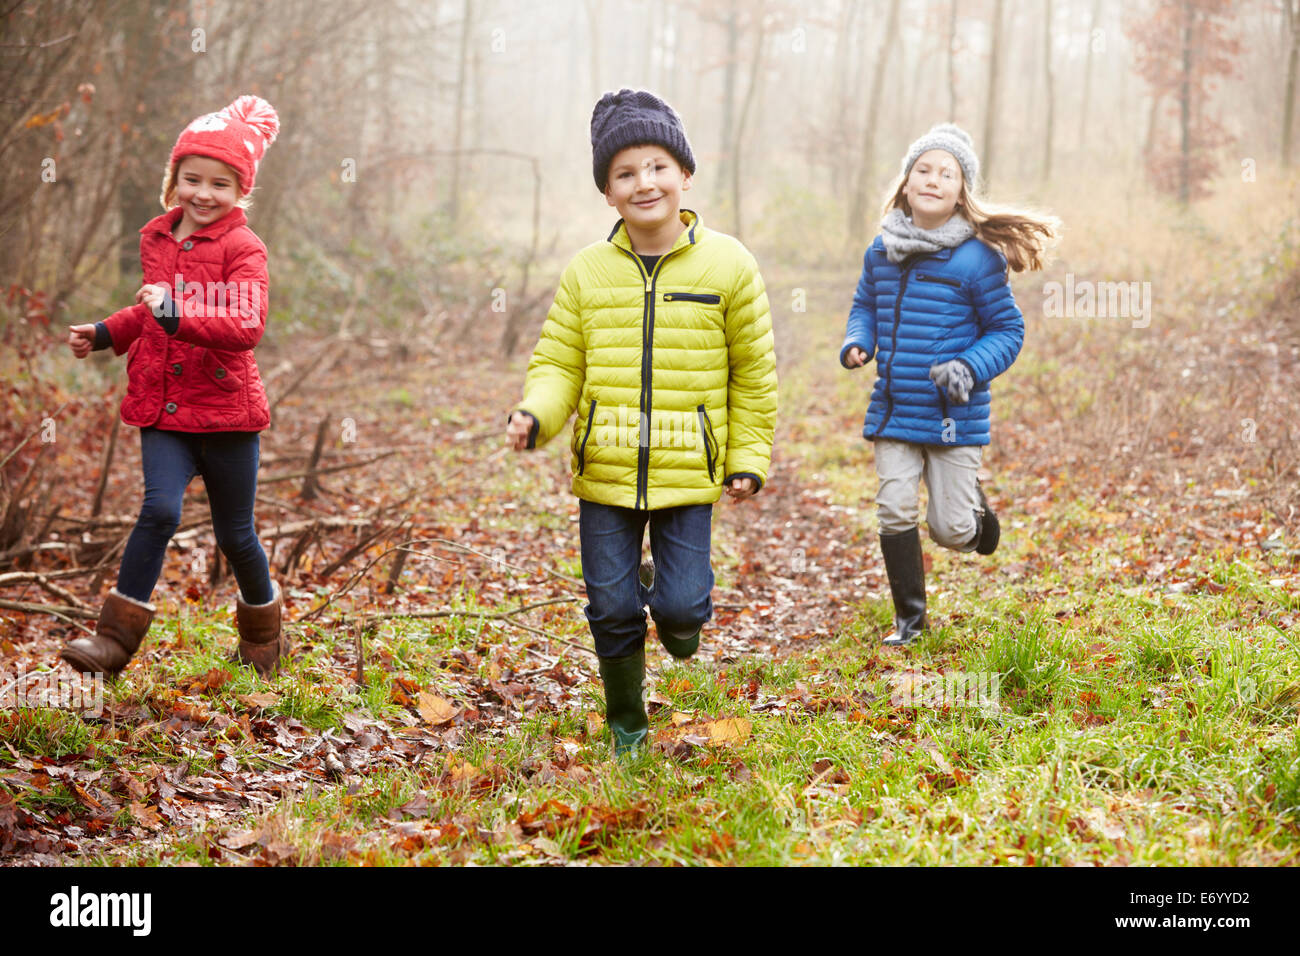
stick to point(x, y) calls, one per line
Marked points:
point(1047, 89)
point(728, 104)
point(866, 160)
point(462, 69)
point(594, 8)
point(1087, 74)
point(842, 77)
point(952, 62)
point(1185, 110)
point(1150, 140)
point(991, 102)
point(1293, 56)
point(144, 67)
point(760, 39)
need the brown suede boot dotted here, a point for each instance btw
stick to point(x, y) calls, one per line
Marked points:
point(123, 623)
point(262, 643)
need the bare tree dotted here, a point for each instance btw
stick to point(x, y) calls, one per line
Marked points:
point(866, 160)
point(467, 19)
point(1048, 89)
point(991, 101)
point(1087, 72)
point(952, 62)
point(1292, 8)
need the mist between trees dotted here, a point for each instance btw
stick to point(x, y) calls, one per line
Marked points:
point(435, 154)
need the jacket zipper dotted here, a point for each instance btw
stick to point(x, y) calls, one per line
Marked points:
point(706, 429)
point(582, 450)
point(647, 373)
point(893, 351)
point(706, 297)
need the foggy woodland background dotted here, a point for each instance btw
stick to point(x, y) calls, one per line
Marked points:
point(433, 151)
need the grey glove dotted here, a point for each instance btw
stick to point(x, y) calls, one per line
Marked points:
point(955, 378)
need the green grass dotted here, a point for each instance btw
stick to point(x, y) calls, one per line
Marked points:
point(1125, 731)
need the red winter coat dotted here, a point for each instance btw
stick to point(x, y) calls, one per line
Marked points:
point(203, 378)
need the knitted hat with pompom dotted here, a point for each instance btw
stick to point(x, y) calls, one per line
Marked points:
point(951, 139)
point(237, 136)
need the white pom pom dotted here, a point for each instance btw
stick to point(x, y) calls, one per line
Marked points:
point(255, 112)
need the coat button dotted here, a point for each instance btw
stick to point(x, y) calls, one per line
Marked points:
point(187, 245)
point(171, 408)
point(176, 368)
point(220, 373)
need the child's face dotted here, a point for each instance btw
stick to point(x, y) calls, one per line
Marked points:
point(933, 188)
point(646, 185)
point(206, 188)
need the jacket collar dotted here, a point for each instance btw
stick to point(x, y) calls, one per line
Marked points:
point(164, 223)
point(690, 217)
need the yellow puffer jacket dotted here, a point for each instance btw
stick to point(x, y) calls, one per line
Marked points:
point(686, 349)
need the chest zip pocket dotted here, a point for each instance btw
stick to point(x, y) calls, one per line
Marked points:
point(709, 298)
point(706, 432)
point(582, 449)
point(942, 280)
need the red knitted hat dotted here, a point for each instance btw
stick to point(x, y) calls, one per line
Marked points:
point(237, 135)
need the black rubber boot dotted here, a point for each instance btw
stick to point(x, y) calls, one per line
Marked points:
point(906, 569)
point(624, 680)
point(987, 531)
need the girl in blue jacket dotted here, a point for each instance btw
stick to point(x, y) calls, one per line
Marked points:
point(935, 309)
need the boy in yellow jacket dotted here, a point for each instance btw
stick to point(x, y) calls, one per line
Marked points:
point(661, 339)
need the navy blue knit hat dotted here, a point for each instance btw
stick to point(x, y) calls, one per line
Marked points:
point(634, 118)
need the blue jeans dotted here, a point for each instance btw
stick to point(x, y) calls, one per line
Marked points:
point(228, 463)
point(680, 602)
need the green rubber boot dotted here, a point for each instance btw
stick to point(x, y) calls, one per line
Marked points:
point(624, 679)
point(680, 647)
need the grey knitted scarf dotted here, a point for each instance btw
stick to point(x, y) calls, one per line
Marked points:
point(903, 238)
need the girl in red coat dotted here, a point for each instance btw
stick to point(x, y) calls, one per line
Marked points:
point(193, 387)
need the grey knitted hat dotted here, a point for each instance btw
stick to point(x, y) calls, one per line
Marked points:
point(633, 118)
point(951, 139)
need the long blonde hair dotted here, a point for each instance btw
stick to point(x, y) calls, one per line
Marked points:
point(1022, 236)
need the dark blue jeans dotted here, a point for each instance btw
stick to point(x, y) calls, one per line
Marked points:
point(228, 463)
point(680, 602)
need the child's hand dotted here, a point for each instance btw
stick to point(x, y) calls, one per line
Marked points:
point(856, 358)
point(741, 488)
point(152, 296)
point(518, 429)
point(81, 339)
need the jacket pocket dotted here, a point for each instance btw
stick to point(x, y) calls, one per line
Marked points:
point(708, 298)
point(710, 445)
point(582, 449)
point(224, 369)
point(942, 280)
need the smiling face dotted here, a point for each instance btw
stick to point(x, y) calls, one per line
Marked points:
point(645, 186)
point(207, 189)
point(933, 187)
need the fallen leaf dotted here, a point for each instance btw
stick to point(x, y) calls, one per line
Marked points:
point(259, 700)
point(728, 730)
point(238, 839)
point(146, 816)
point(435, 710)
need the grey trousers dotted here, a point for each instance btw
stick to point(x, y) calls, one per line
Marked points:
point(949, 471)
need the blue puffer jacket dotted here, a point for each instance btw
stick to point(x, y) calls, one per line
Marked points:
point(951, 304)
